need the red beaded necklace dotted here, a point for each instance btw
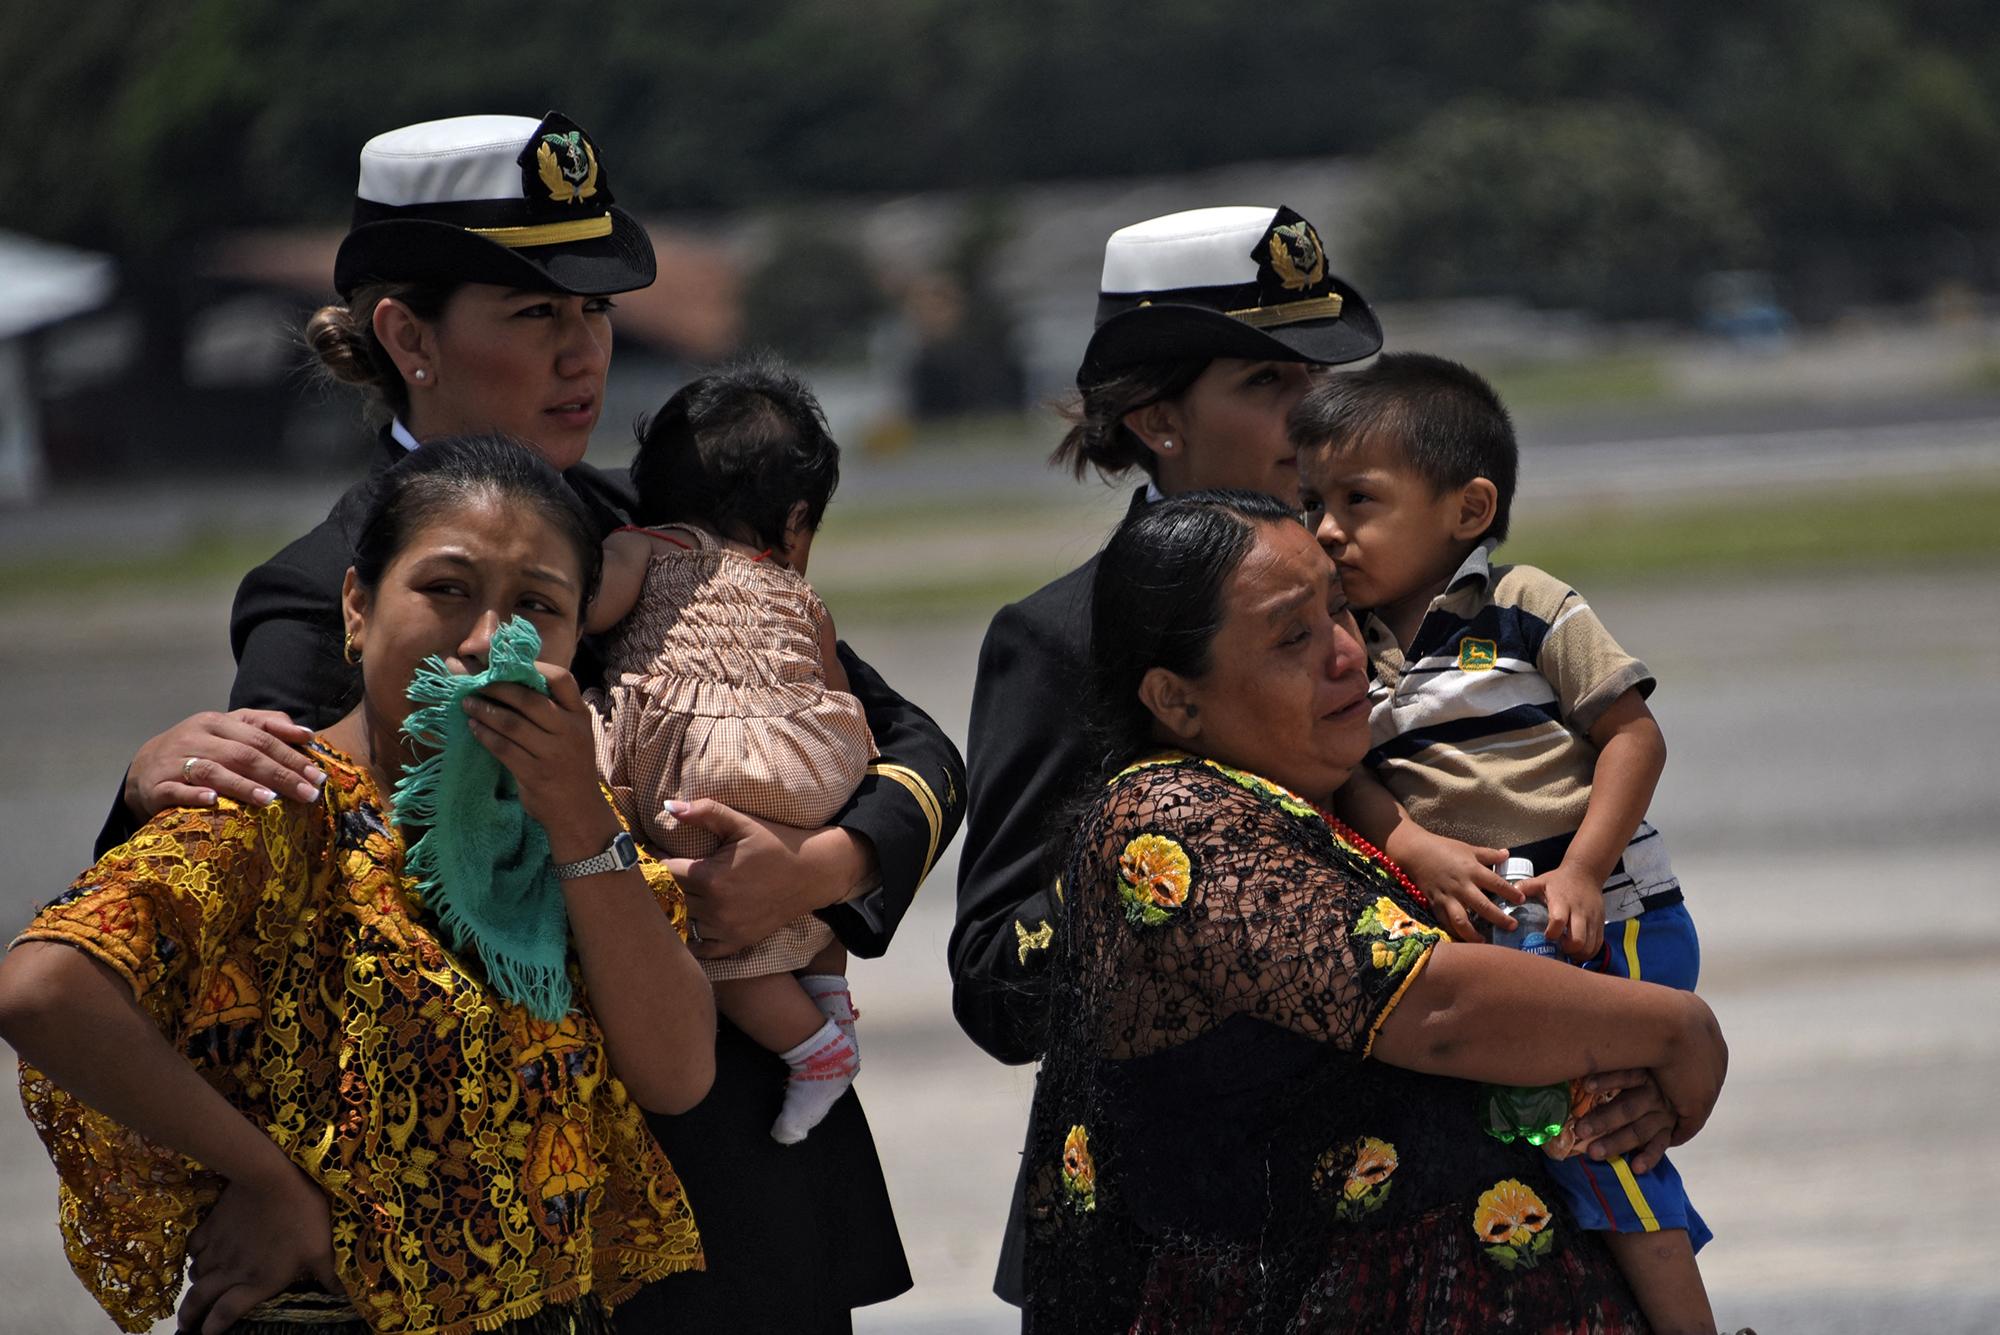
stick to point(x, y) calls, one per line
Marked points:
point(1348, 835)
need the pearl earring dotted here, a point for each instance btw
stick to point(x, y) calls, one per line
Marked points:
point(1165, 446)
point(420, 374)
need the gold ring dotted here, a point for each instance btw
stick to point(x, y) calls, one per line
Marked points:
point(187, 769)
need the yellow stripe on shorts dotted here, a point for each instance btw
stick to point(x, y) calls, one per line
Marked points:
point(1633, 1196)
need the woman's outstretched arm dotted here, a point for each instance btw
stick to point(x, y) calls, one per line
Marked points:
point(75, 1019)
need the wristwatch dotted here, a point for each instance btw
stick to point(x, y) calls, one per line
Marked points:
point(621, 854)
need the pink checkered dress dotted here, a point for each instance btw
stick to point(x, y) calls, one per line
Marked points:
point(714, 688)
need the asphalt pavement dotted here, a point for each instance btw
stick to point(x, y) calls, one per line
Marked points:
point(1830, 799)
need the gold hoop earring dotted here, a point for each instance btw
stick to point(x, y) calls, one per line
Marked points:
point(348, 651)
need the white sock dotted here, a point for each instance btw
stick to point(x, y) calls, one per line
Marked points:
point(829, 992)
point(822, 1069)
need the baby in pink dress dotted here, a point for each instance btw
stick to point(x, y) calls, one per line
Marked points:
point(721, 681)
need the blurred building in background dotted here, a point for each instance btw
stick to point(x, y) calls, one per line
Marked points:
point(910, 198)
point(45, 286)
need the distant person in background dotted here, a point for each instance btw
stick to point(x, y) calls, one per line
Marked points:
point(1506, 720)
point(721, 683)
point(964, 360)
point(433, 1116)
point(476, 284)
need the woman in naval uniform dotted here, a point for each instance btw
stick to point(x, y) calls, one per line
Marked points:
point(477, 281)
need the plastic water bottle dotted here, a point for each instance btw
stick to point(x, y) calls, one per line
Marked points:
point(1531, 916)
point(1534, 1113)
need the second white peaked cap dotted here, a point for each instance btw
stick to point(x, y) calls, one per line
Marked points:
point(1241, 281)
point(1198, 248)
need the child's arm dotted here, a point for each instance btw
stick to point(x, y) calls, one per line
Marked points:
point(1456, 877)
point(625, 557)
point(829, 652)
point(1631, 752)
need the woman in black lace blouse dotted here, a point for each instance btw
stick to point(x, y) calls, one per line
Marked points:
point(1258, 1108)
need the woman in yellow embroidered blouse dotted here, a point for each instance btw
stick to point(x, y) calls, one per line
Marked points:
point(247, 1045)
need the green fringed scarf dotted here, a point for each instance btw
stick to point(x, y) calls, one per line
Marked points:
point(483, 865)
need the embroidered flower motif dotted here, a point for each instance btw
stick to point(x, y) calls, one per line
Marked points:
point(1153, 879)
point(1390, 920)
point(560, 1174)
point(1360, 1170)
point(226, 1018)
point(1374, 1160)
point(1511, 1219)
point(1400, 939)
point(1079, 1170)
point(1036, 940)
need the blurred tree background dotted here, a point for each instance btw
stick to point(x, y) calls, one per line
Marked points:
point(1586, 155)
point(1591, 152)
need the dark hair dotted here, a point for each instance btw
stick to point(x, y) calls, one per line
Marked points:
point(737, 449)
point(1098, 436)
point(343, 339)
point(456, 470)
point(1156, 601)
point(1445, 420)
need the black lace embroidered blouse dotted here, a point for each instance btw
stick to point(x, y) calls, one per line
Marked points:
point(1212, 1150)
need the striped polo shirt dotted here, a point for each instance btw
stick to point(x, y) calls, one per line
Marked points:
point(1482, 730)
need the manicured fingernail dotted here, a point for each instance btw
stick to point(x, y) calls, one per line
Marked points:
point(206, 797)
point(315, 776)
point(263, 797)
point(675, 807)
point(305, 792)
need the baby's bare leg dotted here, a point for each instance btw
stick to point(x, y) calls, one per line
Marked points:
point(781, 1013)
point(774, 1010)
point(1661, 1269)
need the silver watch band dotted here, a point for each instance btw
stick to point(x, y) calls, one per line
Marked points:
point(619, 855)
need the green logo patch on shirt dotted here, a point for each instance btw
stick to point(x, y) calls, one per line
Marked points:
point(1477, 655)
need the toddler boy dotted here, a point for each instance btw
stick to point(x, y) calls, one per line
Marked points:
point(1505, 719)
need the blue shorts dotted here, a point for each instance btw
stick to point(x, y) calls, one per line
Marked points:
point(1658, 946)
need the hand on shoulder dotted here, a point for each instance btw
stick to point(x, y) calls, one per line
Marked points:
point(252, 756)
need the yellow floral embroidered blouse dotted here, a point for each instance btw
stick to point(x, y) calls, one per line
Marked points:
point(479, 1163)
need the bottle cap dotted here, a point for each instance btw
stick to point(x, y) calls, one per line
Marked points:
point(1516, 869)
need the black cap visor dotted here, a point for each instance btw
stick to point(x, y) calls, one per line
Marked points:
point(1167, 331)
point(421, 250)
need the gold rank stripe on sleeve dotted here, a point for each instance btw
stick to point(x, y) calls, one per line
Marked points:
point(926, 801)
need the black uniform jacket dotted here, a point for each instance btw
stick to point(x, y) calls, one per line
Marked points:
point(1028, 759)
point(794, 1235)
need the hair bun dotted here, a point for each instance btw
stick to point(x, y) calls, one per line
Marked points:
point(342, 347)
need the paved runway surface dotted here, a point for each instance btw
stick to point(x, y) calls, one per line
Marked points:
point(1830, 797)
